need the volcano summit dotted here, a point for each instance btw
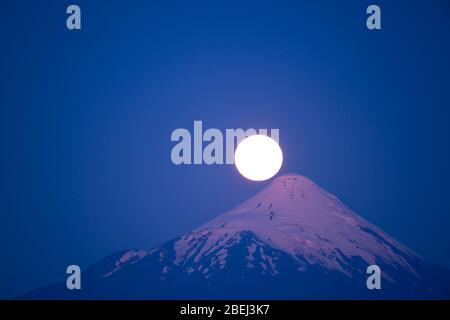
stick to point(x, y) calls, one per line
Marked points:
point(292, 240)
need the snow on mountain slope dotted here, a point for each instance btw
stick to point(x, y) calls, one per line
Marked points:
point(298, 217)
point(292, 240)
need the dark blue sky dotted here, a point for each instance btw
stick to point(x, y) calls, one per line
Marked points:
point(86, 118)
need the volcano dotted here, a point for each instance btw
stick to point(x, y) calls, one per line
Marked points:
point(292, 240)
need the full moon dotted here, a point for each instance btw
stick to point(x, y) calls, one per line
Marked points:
point(258, 157)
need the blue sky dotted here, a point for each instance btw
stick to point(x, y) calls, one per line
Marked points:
point(86, 118)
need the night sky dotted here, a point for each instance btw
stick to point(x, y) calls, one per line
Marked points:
point(86, 118)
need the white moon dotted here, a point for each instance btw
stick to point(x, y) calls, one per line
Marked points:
point(258, 157)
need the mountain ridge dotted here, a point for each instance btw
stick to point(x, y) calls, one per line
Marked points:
point(292, 240)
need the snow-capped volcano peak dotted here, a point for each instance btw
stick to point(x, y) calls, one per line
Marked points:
point(296, 216)
point(291, 240)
